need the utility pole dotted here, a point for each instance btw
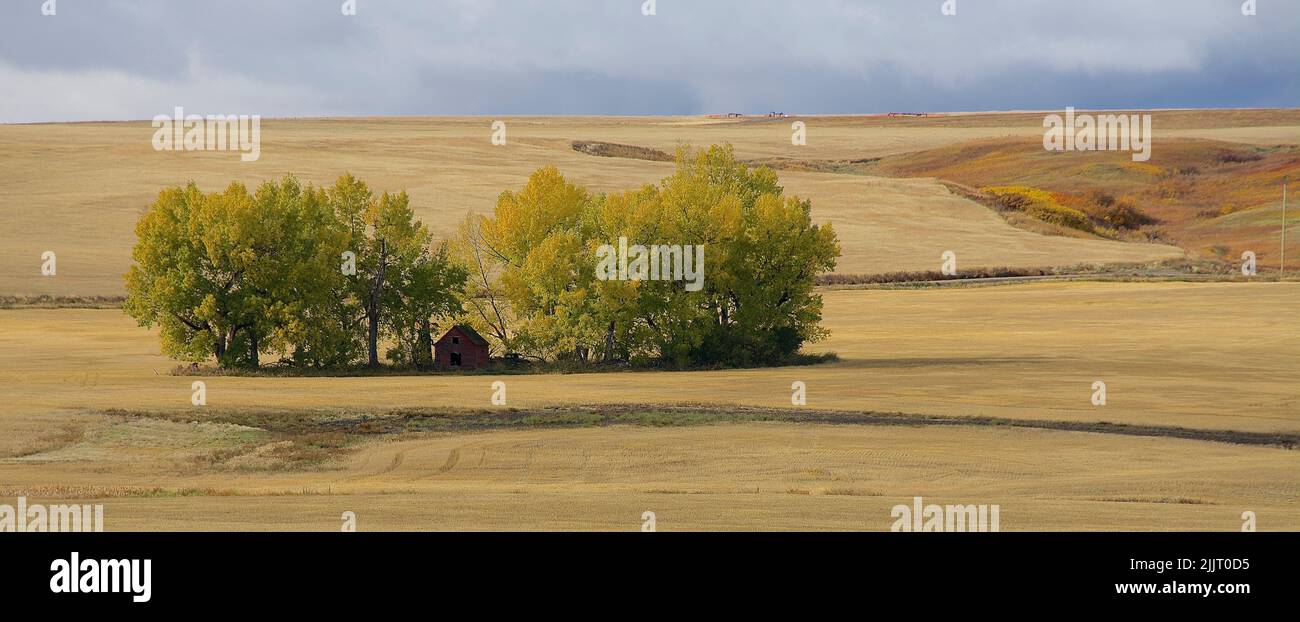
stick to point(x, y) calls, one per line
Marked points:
point(1282, 270)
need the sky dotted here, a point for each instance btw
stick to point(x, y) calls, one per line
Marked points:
point(134, 59)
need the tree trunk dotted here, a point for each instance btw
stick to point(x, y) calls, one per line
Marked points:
point(372, 336)
point(229, 340)
point(609, 343)
point(372, 305)
point(220, 346)
point(252, 351)
point(423, 355)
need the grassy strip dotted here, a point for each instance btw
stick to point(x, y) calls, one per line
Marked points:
point(339, 425)
point(616, 150)
point(1171, 269)
point(523, 367)
point(61, 302)
point(63, 493)
point(860, 166)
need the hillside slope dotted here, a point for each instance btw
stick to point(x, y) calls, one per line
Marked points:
point(78, 189)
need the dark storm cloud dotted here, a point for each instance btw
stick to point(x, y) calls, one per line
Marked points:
point(114, 59)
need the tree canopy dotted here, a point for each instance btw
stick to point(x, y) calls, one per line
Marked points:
point(536, 258)
point(233, 275)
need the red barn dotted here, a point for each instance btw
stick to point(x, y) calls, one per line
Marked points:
point(461, 348)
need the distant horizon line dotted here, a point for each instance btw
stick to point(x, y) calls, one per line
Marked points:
point(764, 115)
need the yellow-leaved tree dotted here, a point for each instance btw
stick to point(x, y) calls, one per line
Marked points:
point(749, 300)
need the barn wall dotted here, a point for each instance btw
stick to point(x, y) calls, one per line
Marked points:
point(473, 356)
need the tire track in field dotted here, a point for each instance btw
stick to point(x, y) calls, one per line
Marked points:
point(453, 457)
point(392, 466)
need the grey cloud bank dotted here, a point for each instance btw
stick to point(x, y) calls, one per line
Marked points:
point(132, 59)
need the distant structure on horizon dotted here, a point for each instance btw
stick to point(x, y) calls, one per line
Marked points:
point(741, 115)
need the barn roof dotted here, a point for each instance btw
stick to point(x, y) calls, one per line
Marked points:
point(473, 335)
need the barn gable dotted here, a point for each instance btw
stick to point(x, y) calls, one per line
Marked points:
point(461, 347)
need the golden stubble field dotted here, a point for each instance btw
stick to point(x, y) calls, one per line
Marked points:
point(732, 477)
point(78, 189)
point(1218, 356)
point(1201, 355)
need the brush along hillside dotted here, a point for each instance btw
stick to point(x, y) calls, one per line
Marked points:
point(1215, 198)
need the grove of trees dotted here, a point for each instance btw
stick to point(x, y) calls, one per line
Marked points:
point(232, 275)
point(324, 276)
point(533, 286)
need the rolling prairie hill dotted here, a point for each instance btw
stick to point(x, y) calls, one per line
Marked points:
point(1211, 197)
point(78, 189)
